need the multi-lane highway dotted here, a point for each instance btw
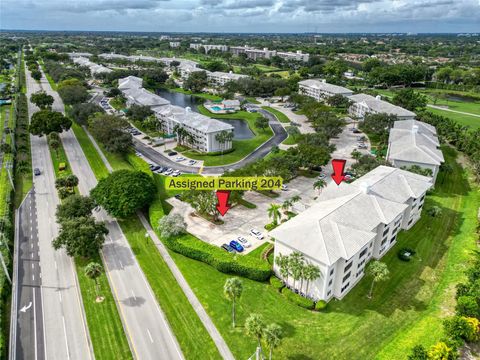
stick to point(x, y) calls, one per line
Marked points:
point(64, 334)
point(148, 331)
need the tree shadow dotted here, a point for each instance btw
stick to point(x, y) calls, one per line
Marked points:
point(133, 301)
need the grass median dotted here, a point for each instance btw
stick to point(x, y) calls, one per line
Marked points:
point(278, 114)
point(193, 338)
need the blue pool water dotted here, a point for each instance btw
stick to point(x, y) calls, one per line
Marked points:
point(216, 108)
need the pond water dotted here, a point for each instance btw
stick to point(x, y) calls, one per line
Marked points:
point(240, 126)
point(460, 98)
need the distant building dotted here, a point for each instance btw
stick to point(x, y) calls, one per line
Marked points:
point(219, 78)
point(355, 223)
point(413, 142)
point(265, 53)
point(320, 90)
point(174, 44)
point(73, 55)
point(208, 47)
point(366, 104)
point(94, 68)
point(203, 130)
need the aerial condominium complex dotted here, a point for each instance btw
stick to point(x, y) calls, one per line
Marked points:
point(94, 68)
point(413, 142)
point(209, 47)
point(202, 130)
point(265, 53)
point(363, 104)
point(219, 78)
point(351, 225)
point(320, 90)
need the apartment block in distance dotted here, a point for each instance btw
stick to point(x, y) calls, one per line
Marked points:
point(412, 142)
point(202, 129)
point(265, 53)
point(320, 90)
point(351, 225)
point(208, 47)
point(363, 104)
point(219, 78)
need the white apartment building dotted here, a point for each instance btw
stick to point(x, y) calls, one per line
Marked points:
point(265, 53)
point(208, 47)
point(94, 68)
point(366, 104)
point(353, 224)
point(413, 142)
point(320, 90)
point(203, 130)
point(219, 78)
point(174, 44)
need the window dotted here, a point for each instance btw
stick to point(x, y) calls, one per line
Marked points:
point(360, 264)
point(345, 287)
point(328, 293)
point(384, 241)
point(331, 272)
point(364, 251)
point(330, 282)
point(359, 273)
point(371, 244)
point(346, 276)
point(348, 266)
point(385, 232)
point(423, 197)
point(410, 221)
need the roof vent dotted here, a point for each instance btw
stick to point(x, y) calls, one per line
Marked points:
point(378, 97)
point(364, 187)
point(415, 129)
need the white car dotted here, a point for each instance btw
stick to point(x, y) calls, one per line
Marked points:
point(244, 242)
point(168, 172)
point(179, 158)
point(192, 162)
point(284, 187)
point(257, 234)
point(176, 173)
point(322, 176)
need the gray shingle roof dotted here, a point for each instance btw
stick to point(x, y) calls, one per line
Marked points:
point(130, 82)
point(417, 143)
point(144, 97)
point(380, 106)
point(318, 84)
point(345, 221)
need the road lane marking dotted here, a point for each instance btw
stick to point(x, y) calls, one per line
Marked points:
point(60, 296)
point(32, 266)
point(35, 322)
point(55, 264)
point(65, 333)
point(33, 277)
point(134, 297)
point(150, 335)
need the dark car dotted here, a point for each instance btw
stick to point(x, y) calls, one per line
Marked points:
point(228, 248)
point(37, 171)
point(155, 168)
point(236, 245)
point(171, 153)
point(356, 131)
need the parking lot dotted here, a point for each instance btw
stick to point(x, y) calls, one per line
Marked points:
point(348, 141)
point(239, 220)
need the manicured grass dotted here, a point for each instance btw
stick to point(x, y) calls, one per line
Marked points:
point(290, 140)
point(117, 104)
point(252, 100)
point(194, 340)
point(241, 147)
point(266, 68)
point(405, 310)
point(58, 156)
point(472, 121)
point(199, 95)
point(91, 153)
point(278, 114)
point(104, 324)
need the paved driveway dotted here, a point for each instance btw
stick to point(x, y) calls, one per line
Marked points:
point(346, 143)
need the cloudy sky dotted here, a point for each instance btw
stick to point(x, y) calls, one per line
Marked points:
point(243, 15)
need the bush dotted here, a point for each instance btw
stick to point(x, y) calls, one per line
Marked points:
point(320, 305)
point(276, 283)
point(405, 254)
point(270, 226)
point(249, 267)
point(297, 299)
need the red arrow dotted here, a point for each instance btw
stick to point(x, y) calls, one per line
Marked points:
point(338, 167)
point(222, 206)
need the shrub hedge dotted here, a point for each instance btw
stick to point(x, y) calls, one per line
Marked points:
point(320, 305)
point(298, 299)
point(276, 283)
point(249, 267)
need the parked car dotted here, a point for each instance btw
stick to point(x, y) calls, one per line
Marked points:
point(236, 245)
point(192, 162)
point(228, 248)
point(322, 176)
point(155, 168)
point(356, 131)
point(179, 159)
point(168, 172)
point(245, 243)
point(37, 171)
point(257, 234)
point(362, 146)
point(284, 187)
point(172, 153)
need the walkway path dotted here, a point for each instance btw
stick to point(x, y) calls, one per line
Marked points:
point(454, 111)
point(305, 126)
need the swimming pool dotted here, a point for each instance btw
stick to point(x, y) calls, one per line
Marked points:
point(216, 108)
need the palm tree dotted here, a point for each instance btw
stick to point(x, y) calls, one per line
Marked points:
point(379, 272)
point(273, 336)
point(287, 204)
point(223, 137)
point(283, 263)
point(295, 198)
point(233, 290)
point(311, 273)
point(93, 271)
point(274, 213)
point(356, 155)
point(297, 262)
point(54, 144)
point(255, 327)
point(319, 184)
point(71, 181)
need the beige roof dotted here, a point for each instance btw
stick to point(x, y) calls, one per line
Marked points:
point(319, 84)
point(381, 106)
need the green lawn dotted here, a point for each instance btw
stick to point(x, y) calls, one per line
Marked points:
point(406, 309)
point(472, 121)
point(290, 140)
point(104, 324)
point(58, 156)
point(117, 104)
point(278, 114)
point(199, 95)
point(194, 340)
point(241, 147)
point(252, 100)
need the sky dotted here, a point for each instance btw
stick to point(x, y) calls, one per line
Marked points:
point(292, 16)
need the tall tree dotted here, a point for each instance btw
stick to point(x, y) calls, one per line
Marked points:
point(42, 100)
point(274, 213)
point(273, 337)
point(311, 273)
point(261, 123)
point(232, 290)
point(410, 100)
point(254, 325)
point(319, 184)
point(379, 272)
point(93, 271)
point(44, 122)
point(73, 207)
point(171, 225)
point(108, 129)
